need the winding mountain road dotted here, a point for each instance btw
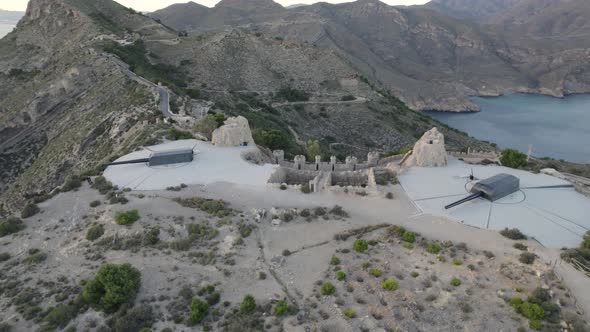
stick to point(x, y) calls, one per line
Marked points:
point(162, 90)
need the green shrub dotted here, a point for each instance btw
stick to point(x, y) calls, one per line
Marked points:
point(139, 318)
point(527, 258)
point(291, 94)
point(334, 260)
point(216, 208)
point(35, 257)
point(520, 246)
point(408, 245)
point(455, 282)
point(176, 134)
point(433, 248)
point(59, 317)
point(29, 210)
point(389, 284)
point(113, 286)
point(457, 261)
point(102, 185)
point(281, 308)
point(409, 237)
point(513, 158)
point(94, 203)
point(376, 272)
point(94, 232)
point(152, 236)
point(515, 302)
point(513, 234)
point(327, 288)
point(340, 275)
point(535, 324)
point(248, 304)
point(272, 139)
point(199, 310)
point(73, 182)
point(531, 310)
point(349, 313)
point(414, 274)
point(10, 226)
point(127, 218)
point(360, 245)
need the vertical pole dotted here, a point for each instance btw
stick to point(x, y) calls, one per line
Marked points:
point(530, 153)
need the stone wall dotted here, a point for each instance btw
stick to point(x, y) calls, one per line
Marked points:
point(350, 178)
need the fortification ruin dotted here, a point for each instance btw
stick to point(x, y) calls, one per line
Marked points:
point(329, 175)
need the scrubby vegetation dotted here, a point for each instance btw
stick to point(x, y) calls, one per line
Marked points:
point(513, 158)
point(334, 260)
point(327, 288)
point(579, 257)
point(113, 286)
point(174, 134)
point(94, 232)
point(10, 226)
point(455, 282)
point(291, 95)
point(29, 210)
point(527, 258)
point(136, 56)
point(213, 207)
point(248, 304)
point(389, 284)
point(281, 308)
point(197, 233)
point(199, 310)
point(513, 234)
point(127, 218)
point(433, 248)
point(360, 245)
point(537, 308)
point(273, 139)
point(73, 182)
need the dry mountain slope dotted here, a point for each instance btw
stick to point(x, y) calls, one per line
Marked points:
point(63, 106)
point(474, 10)
point(431, 60)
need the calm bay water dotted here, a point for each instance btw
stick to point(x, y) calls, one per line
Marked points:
point(5, 29)
point(557, 128)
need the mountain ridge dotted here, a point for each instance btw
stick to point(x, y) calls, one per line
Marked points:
point(431, 60)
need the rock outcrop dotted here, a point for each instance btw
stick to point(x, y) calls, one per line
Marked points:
point(429, 151)
point(235, 132)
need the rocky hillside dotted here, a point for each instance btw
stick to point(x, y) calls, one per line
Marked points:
point(431, 60)
point(474, 10)
point(66, 106)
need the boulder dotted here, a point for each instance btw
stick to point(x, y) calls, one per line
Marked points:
point(429, 151)
point(235, 132)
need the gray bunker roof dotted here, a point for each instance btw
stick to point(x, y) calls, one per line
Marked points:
point(497, 186)
point(171, 152)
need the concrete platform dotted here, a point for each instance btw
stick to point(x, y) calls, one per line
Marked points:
point(211, 164)
point(555, 217)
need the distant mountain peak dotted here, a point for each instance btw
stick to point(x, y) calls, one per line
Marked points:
point(249, 4)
